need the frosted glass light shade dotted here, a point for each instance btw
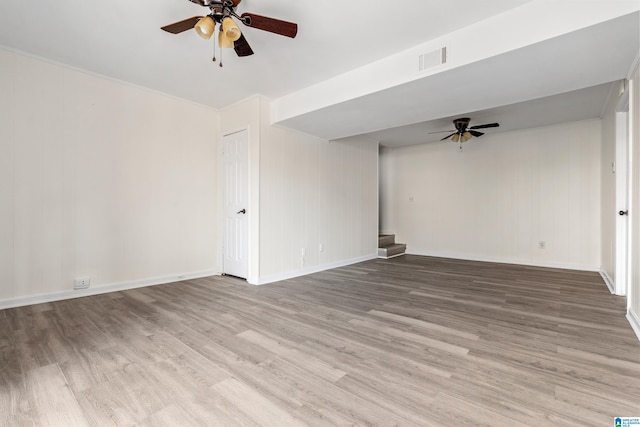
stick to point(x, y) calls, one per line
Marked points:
point(465, 137)
point(205, 27)
point(456, 137)
point(231, 30)
point(223, 40)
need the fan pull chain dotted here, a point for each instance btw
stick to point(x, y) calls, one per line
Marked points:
point(214, 50)
point(221, 48)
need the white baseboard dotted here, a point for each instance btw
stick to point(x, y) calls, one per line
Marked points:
point(608, 281)
point(634, 321)
point(133, 284)
point(532, 263)
point(102, 289)
point(312, 269)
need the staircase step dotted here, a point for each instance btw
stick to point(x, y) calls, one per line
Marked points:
point(386, 240)
point(391, 251)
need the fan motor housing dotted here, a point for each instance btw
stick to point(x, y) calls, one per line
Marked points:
point(461, 124)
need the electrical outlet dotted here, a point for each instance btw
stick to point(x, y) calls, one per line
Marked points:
point(304, 252)
point(321, 248)
point(542, 244)
point(82, 283)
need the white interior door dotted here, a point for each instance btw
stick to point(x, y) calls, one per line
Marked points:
point(235, 159)
point(621, 276)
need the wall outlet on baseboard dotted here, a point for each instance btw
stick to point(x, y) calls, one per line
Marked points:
point(81, 283)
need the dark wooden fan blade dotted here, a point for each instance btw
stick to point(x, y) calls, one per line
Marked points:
point(284, 28)
point(180, 26)
point(475, 133)
point(241, 46)
point(488, 125)
point(448, 136)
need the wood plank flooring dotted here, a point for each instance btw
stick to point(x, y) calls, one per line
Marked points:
point(410, 341)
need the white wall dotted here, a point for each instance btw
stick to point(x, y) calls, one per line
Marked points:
point(502, 195)
point(304, 192)
point(315, 193)
point(102, 179)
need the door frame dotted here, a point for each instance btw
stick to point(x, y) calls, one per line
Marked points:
point(622, 195)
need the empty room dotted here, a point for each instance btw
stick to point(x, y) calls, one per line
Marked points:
point(274, 213)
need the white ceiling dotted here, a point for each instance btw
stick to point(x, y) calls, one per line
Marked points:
point(122, 39)
point(568, 107)
point(574, 61)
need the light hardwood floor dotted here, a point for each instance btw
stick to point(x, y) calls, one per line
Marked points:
point(411, 341)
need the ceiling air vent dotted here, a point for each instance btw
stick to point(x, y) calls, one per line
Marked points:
point(432, 59)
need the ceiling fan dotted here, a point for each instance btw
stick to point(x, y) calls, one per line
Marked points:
point(463, 132)
point(229, 35)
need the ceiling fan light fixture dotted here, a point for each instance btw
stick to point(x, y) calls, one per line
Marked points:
point(229, 34)
point(456, 137)
point(465, 137)
point(231, 29)
point(205, 27)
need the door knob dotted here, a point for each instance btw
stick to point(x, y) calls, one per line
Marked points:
point(244, 211)
point(623, 213)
